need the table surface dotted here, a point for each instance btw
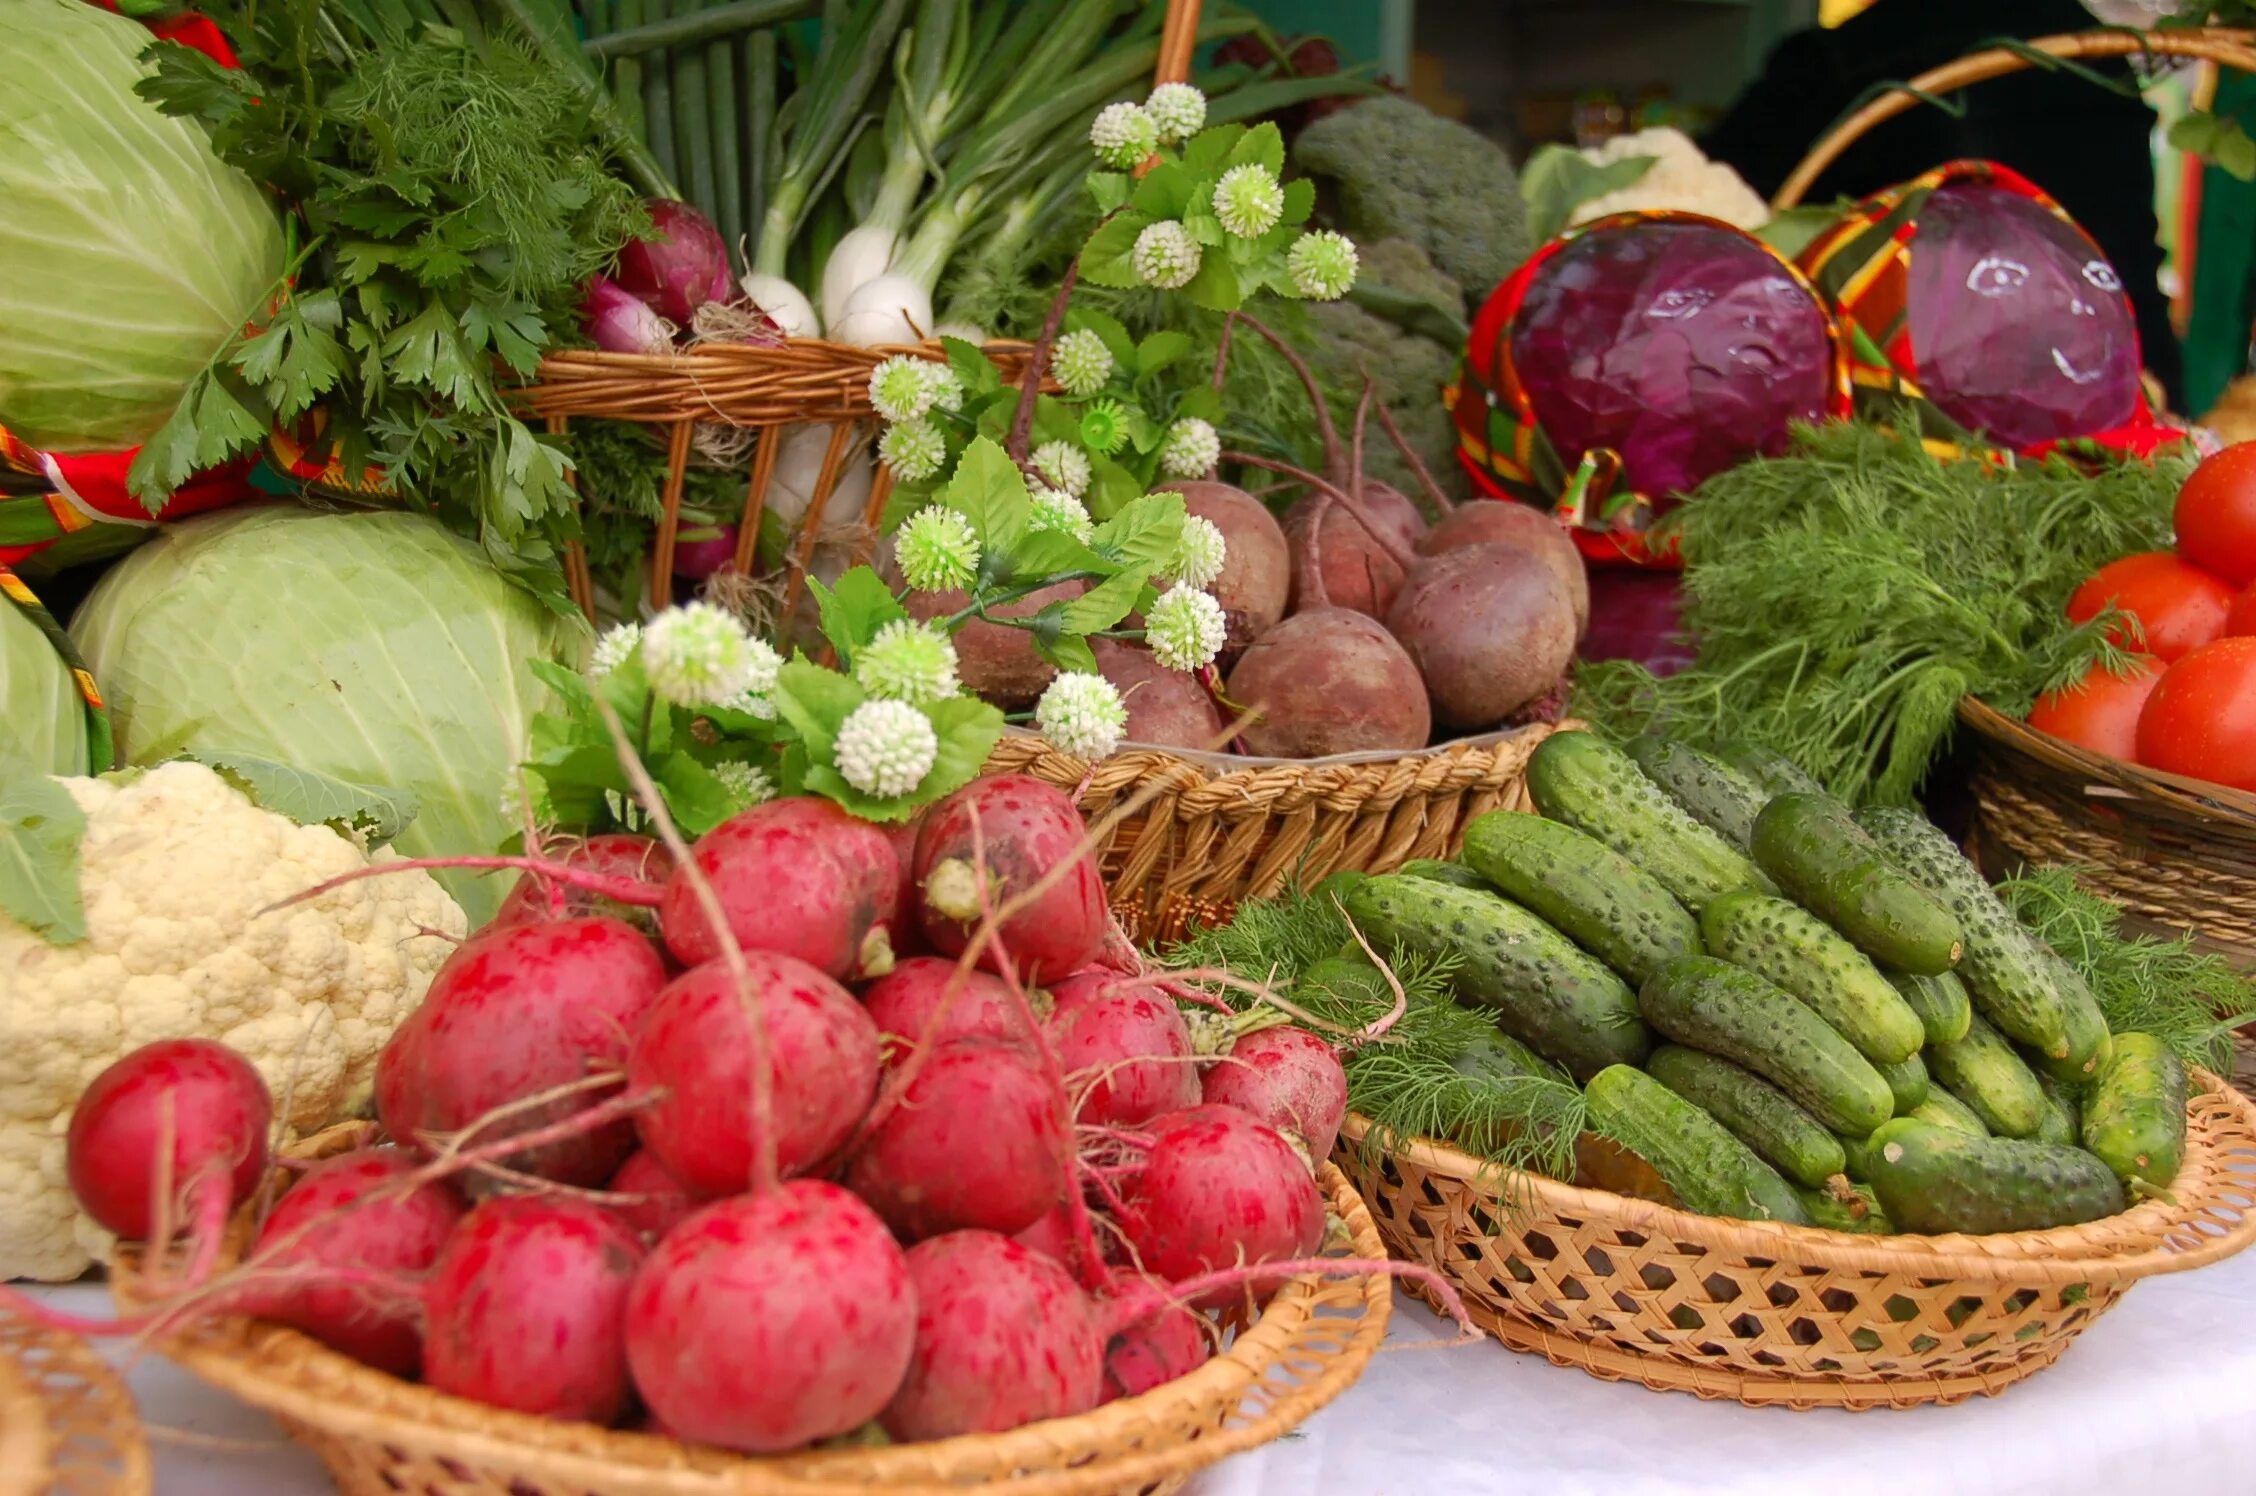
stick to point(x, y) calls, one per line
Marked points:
point(2158, 1396)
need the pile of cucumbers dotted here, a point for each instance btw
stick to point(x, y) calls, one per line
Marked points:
point(1790, 1012)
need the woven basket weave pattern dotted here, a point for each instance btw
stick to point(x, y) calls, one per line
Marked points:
point(67, 1426)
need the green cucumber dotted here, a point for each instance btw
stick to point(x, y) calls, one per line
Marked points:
point(1497, 1056)
point(2135, 1117)
point(2064, 1100)
point(1934, 1180)
point(1756, 1112)
point(1942, 1109)
point(1444, 872)
point(2085, 1024)
point(1809, 844)
point(1711, 1005)
point(1792, 948)
point(2059, 1124)
point(1859, 1215)
point(1983, 1071)
point(1607, 904)
point(1908, 1082)
point(1543, 989)
point(1712, 792)
point(1775, 773)
point(2005, 967)
point(1710, 1171)
point(1578, 778)
point(1941, 1002)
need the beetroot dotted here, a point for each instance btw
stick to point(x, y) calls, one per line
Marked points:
point(1124, 1048)
point(797, 876)
point(1489, 628)
point(902, 1004)
point(1003, 1337)
point(1338, 562)
point(696, 1044)
point(668, 1203)
point(994, 660)
point(1257, 566)
point(1167, 708)
point(211, 1105)
point(615, 854)
point(1155, 1349)
point(1506, 522)
point(516, 1012)
point(1287, 1078)
point(1025, 830)
point(769, 1321)
point(1328, 681)
point(978, 1142)
point(527, 1309)
point(1218, 1190)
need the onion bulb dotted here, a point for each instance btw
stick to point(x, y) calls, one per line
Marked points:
point(620, 323)
point(889, 309)
point(860, 256)
point(678, 269)
point(786, 305)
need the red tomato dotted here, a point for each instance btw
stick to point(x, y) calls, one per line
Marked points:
point(2201, 719)
point(2180, 606)
point(2100, 712)
point(2242, 618)
point(2216, 515)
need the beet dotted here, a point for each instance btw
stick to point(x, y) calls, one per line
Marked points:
point(1168, 708)
point(994, 660)
point(1489, 628)
point(1338, 562)
point(1256, 579)
point(1507, 522)
point(1327, 681)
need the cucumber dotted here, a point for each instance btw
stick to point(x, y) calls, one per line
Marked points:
point(2085, 1024)
point(1934, 1180)
point(2059, 1124)
point(1336, 885)
point(1710, 791)
point(1443, 872)
point(1755, 1112)
point(1590, 784)
point(1497, 1056)
point(1710, 1171)
point(1607, 904)
point(1774, 772)
point(1792, 948)
point(2135, 1117)
point(2064, 1100)
point(1908, 1082)
point(1544, 991)
point(1983, 1071)
point(1941, 1002)
point(1711, 1005)
point(1826, 864)
point(2005, 967)
point(1856, 1155)
point(1859, 1215)
point(1942, 1109)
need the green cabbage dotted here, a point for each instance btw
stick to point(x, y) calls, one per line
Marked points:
point(129, 253)
point(376, 648)
point(42, 716)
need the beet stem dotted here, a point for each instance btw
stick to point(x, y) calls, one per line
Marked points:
point(1443, 504)
point(1333, 455)
point(1396, 551)
point(1038, 362)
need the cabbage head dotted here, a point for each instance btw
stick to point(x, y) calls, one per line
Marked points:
point(376, 647)
point(42, 716)
point(129, 253)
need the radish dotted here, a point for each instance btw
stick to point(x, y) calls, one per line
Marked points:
point(1124, 1048)
point(769, 1321)
point(696, 1045)
point(666, 1201)
point(1489, 628)
point(514, 1013)
point(1287, 1078)
point(614, 854)
point(1052, 1235)
point(1219, 1190)
point(903, 931)
point(1168, 708)
point(1170, 1342)
point(905, 1002)
point(176, 1126)
point(1003, 1337)
point(1330, 680)
point(978, 1141)
point(527, 1309)
point(1025, 833)
point(798, 876)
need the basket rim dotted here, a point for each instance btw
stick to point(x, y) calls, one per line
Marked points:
point(2151, 1238)
point(1228, 764)
point(2219, 804)
point(60, 1429)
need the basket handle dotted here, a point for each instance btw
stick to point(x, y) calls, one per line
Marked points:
point(2229, 48)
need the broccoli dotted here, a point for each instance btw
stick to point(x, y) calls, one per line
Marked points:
point(1409, 369)
point(1406, 173)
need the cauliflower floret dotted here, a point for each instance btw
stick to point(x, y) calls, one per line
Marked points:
point(174, 866)
point(1680, 178)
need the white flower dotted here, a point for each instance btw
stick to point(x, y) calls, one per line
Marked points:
point(1082, 715)
point(901, 388)
point(1081, 362)
point(1123, 135)
point(1192, 446)
point(915, 449)
point(908, 661)
point(612, 649)
point(885, 748)
point(1185, 628)
point(1064, 467)
point(1322, 265)
point(699, 655)
point(752, 704)
point(1199, 554)
point(936, 550)
point(1248, 201)
point(947, 390)
point(1166, 256)
point(747, 783)
point(1062, 511)
point(1177, 110)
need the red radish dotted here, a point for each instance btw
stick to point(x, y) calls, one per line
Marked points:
point(1285, 1077)
point(1256, 579)
point(798, 876)
point(699, 557)
point(903, 929)
point(385, 1231)
point(178, 1125)
point(903, 1002)
point(1489, 628)
point(979, 1141)
point(1003, 1337)
point(614, 854)
point(527, 1309)
point(1328, 681)
point(668, 1201)
point(1508, 522)
point(994, 660)
point(1166, 707)
point(695, 1043)
point(683, 265)
point(1218, 1190)
point(1166, 1344)
point(769, 1321)
point(1025, 831)
point(1123, 1047)
point(1052, 1235)
point(514, 1013)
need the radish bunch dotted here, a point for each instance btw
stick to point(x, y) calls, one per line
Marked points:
point(872, 1128)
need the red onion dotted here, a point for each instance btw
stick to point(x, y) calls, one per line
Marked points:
point(679, 270)
point(699, 559)
point(619, 323)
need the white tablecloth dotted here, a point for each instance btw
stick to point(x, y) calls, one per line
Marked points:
point(2158, 1397)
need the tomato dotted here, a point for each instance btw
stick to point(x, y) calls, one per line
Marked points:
point(2201, 719)
point(2180, 606)
point(2101, 711)
point(2216, 515)
point(2242, 618)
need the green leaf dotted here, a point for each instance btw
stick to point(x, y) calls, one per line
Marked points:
point(1164, 192)
point(1105, 604)
point(968, 729)
point(1108, 259)
point(1046, 553)
point(816, 702)
point(1109, 189)
point(1117, 339)
point(1203, 401)
point(695, 796)
point(429, 351)
point(1559, 179)
point(40, 829)
point(376, 813)
point(974, 370)
point(1300, 201)
point(1264, 146)
point(2217, 138)
point(1144, 533)
point(1216, 287)
point(1070, 653)
point(990, 491)
point(1209, 149)
point(855, 610)
point(1160, 349)
point(1111, 487)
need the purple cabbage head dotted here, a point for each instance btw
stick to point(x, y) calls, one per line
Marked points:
point(1683, 347)
point(2018, 323)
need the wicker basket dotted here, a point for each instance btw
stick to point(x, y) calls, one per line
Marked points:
point(67, 1426)
point(1770, 1314)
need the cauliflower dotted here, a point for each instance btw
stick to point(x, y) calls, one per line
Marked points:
point(1680, 178)
point(174, 867)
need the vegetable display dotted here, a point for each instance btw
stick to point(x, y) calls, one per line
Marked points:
point(39, 700)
